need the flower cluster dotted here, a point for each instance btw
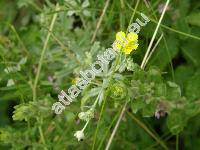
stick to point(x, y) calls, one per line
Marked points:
point(127, 43)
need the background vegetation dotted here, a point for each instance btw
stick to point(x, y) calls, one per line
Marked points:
point(45, 44)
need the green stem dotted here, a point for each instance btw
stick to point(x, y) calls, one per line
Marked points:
point(116, 127)
point(154, 34)
point(43, 52)
point(40, 66)
point(115, 118)
point(151, 146)
point(19, 39)
point(177, 142)
point(133, 14)
point(41, 135)
point(100, 20)
point(98, 124)
point(85, 126)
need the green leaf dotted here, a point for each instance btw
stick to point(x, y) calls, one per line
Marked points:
point(137, 104)
point(176, 121)
point(191, 51)
point(193, 18)
point(182, 75)
point(149, 110)
point(164, 53)
point(193, 87)
point(173, 91)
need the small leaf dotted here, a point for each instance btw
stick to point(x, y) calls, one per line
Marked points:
point(193, 87)
point(193, 18)
point(176, 121)
point(86, 13)
point(85, 4)
point(137, 104)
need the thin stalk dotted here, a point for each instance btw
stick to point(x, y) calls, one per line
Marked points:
point(19, 39)
point(177, 142)
point(154, 35)
point(41, 135)
point(116, 127)
point(100, 20)
point(85, 126)
point(168, 53)
point(43, 52)
point(151, 146)
point(133, 14)
point(40, 66)
point(153, 49)
point(98, 124)
point(115, 118)
point(169, 56)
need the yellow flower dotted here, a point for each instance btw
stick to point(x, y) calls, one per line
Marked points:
point(132, 36)
point(127, 43)
point(130, 47)
point(120, 39)
point(118, 45)
point(120, 36)
point(75, 80)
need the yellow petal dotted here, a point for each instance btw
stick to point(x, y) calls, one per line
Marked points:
point(130, 47)
point(132, 36)
point(135, 46)
point(118, 45)
point(120, 36)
